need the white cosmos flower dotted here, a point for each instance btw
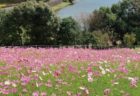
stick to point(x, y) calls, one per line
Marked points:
point(107, 70)
point(7, 82)
point(40, 78)
point(130, 78)
point(33, 71)
point(90, 74)
point(102, 70)
point(37, 84)
point(116, 83)
point(14, 85)
point(87, 92)
point(43, 73)
point(90, 79)
point(50, 72)
point(82, 88)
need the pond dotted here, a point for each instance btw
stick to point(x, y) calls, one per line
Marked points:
point(84, 7)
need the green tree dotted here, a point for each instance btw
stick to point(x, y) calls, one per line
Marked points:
point(103, 18)
point(69, 32)
point(129, 39)
point(120, 18)
point(101, 39)
point(31, 22)
point(3, 35)
point(137, 32)
point(128, 16)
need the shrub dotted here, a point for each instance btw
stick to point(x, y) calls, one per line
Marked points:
point(3, 17)
point(129, 39)
point(137, 32)
point(69, 32)
point(86, 38)
point(101, 39)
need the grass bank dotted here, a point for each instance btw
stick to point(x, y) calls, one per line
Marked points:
point(54, 8)
point(2, 5)
point(60, 6)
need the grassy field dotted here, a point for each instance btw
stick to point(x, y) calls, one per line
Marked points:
point(60, 6)
point(54, 8)
point(69, 72)
point(2, 5)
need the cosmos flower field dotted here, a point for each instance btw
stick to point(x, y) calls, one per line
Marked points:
point(69, 72)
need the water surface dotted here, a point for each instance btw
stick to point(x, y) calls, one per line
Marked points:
point(84, 7)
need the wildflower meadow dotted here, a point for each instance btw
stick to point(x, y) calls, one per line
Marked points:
point(69, 72)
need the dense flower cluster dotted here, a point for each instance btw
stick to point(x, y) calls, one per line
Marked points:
point(74, 72)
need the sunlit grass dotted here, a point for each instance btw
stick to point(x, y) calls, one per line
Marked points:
point(60, 6)
point(2, 5)
point(76, 82)
point(54, 8)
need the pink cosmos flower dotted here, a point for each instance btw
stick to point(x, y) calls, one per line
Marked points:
point(49, 84)
point(123, 69)
point(25, 79)
point(35, 93)
point(24, 90)
point(71, 68)
point(5, 92)
point(90, 73)
point(89, 69)
point(90, 79)
point(133, 81)
point(56, 73)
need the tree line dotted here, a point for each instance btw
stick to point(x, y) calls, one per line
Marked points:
point(34, 23)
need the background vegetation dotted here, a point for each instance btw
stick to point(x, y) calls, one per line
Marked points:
point(34, 23)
